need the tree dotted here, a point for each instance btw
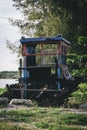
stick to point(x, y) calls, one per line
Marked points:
point(76, 11)
point(38, 13)
point(39, 18)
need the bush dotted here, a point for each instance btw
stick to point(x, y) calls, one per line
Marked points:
point(78, 97)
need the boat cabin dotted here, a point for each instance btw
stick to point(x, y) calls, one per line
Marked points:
point(44, 60)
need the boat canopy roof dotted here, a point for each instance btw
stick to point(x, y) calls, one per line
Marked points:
point(45, 40)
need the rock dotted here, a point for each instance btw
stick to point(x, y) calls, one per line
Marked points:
point(83, 106)
point(25, 102)
point(3, 102)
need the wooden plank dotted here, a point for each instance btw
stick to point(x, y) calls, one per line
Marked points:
point(37, 90)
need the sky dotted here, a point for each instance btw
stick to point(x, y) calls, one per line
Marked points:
point(8, 60)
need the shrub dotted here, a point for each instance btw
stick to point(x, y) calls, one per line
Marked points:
point(78, 97)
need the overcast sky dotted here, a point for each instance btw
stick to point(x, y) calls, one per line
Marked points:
point(8, 61)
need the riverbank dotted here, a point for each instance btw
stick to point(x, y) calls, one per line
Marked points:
point(8, 74)
point(3, 82)
point(42, 118)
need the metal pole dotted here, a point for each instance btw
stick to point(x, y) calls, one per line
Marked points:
point(59, 74)
point(21, 81)
point(25, 83)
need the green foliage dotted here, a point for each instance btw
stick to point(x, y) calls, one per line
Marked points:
point(77, 64)
point(81, 45)
point(8, 75)
point(77, 60)
point(77, 20)
point(78, 97)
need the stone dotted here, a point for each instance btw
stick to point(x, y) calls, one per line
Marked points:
point(3, 102)
point(83, 106)
point(25, 102)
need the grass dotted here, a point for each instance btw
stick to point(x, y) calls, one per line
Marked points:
point(37, 118)
point(5, 126)
point(2, 90)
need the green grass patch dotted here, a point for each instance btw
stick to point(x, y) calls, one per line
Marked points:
point(43, 118)
point(73, 119)
point(2, 90)
point(10, 126)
